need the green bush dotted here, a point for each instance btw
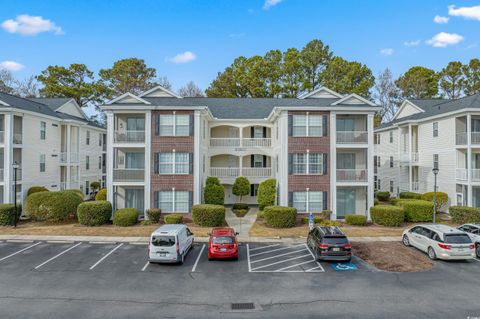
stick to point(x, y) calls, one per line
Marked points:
point(280, 216)
point(7, 214)
point(383, 196)
point(36, 189)
point(357, 220)
point(77, 192)
point(214, 193)
point(240, 212)
point(95, 185)
point(329, 223)
point(173, 219)
point(261, 214)
point(52, 206)
point(147, 222)
point(94, 213)
point(101, 195)
point(316, 220)
point(416, 210)
point(266, 193)
point(208, 215)
point(387, 215)
point(442, 200)
point(410, 195)
point(125, 217)
point(376, 202)
point(240, 206)
point(153, 214)
point(325, 214)
point(241, 187)
point(463, 214)
point(33, 202)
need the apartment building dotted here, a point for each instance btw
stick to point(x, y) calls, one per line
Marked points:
point(431, 133)
point(53, 144)
point(319, 148)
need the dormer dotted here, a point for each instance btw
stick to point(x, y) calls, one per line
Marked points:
point(406, 109)
point(321, 93)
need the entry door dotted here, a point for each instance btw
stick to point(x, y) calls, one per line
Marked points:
point(345, 202)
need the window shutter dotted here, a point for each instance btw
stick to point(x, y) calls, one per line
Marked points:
point(290, 164)
point(290, 125)
point(252, 132)
point(325, 164)
point(155, 199)
point(252, 190)
point(325, 200)
point(190, 163)
point(264, 161)
point(264, 132)
point(324, 126)
point(155, 162)
point(290, 199)
point(252, 160)
point(157, 124)
point(192, 124)
point(190, 201)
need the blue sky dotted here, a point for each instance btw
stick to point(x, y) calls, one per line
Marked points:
point(98, 33)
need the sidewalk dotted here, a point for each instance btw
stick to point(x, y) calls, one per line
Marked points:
point(242, 225)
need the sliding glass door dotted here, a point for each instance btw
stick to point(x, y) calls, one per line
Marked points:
point(345, 202)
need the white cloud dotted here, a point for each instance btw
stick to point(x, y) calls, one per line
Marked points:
point(11, 66)
point(444, 39)
point(30, 25)
point(270, 3)
point(412, 43)
point(184, 57)
point(440, 20)
point(465, 12)
point(386, 52)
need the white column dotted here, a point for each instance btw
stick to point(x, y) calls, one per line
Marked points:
point(370, 190)
point(240, 165)
point(282, 181)
point(469, 161)
point(148, 159)
point(333, 164)
point(197, 169)
point(8, 160)
point(110, 156)
point(410, 157)
point(68, 149)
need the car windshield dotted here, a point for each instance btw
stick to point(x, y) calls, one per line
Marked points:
point(457, 239)
point(223, 240)
point(335, 240)
point(163, 241)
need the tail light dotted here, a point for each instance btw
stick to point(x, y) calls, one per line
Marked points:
point(323, 246)
point(178, 248)
point(443, 246)
point(472, 246)
point(347, 246)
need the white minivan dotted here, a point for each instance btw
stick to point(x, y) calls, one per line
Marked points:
point(169, 244)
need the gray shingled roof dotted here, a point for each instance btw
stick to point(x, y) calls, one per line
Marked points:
point(52, 102)
point(427, 103)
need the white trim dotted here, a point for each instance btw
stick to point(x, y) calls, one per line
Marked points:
point(4, 103)
point(323, 88)
point(354, 96)
point(128, 94)
point(159, 87)
point(404, 104)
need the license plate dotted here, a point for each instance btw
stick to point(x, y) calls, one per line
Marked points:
point(335, 249)
point(162, 254)
point(223, 249)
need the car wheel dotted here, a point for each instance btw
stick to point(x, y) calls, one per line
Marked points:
point(477, 250)
point(431, 253)
point(405, 240)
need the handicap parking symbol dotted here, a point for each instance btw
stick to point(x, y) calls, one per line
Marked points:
point(344, 266)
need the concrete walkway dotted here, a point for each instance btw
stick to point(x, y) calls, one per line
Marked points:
point(242, 225)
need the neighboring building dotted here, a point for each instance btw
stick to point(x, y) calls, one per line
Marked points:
point(318, 147)
point(429, 133)
point(52, 141)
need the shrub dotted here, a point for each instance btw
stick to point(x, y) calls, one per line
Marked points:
point(383, 196)
point(387, 215)
point(280, 216)
point(241, 187)
point(240, 206)
point(95, 185)
point(153, 214)
point(325, 214)
point(266, 193)
point(316, 220)
point(442, 199)
point(125, 217)
point(7, 214)
point(173, 219)
point(101, 195)
point(94, 213)
point(214, 193)
point(60, 206)
point(36, 189)
point(357, 220)
point(416, 210)
point(211, 180)
point(261, 214)
point(33, 202)
point(208, 215)
point(240, 212)
point(462, 214)
point(410, 195)
point(330, 223)
point(147, 222)
point(376, 202)
point(77, 192)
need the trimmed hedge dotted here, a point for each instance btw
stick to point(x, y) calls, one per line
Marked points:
point(416, 210)
point(316, 220)
point(153, 214)
point(266, 193)
point(7, 214)
point(383, 196)
point(36, 189)
point(442, 199)
point(325, 214)
point(101, 195)
point(280, 216)
point(261, 214)
point(410, 195)
point(77, 192)
point(95, 185)
point(240, 206)
point(357, 220)
point(125, 217)
point(387, 215)
point(463, 214)
point(376, 202)
point(208, 215)
point(214, 192)
point(94, 213)
point(240, 212)
point(173, 219)
point(52, 206)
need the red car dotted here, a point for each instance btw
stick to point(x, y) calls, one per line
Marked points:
point(223, 244)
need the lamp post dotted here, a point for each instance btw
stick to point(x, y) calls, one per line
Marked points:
point(15, 168)
point(435, 173)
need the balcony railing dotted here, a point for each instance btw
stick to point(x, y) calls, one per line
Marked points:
point(237, 142)
point(17, 138)
point(224, 142)
point(63, 157)
point(128, 174)
point(475, 175)
point(461, 174)
point(63, 186)
point(244, 171)
point(2, 137)
point(130, 136)
point(415, 186)
point(475, 138)
point(352, 137)
point(73, 157)
point(405, 158)
point(352, 175)
point(1, 175)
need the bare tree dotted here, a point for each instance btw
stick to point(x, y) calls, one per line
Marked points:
point(386, 95)
point(27, 87)
point(164, 82)
point(190, 90)
point(6, 81)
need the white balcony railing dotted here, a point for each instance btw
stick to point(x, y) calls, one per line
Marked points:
point(74, 157)
point(256, 171)
point(130, 136)
point(63, 157)
point(475, 138)
point(461, 174)
point(405, 158)
point(63, 186)
point(256, 142)
point(222, 142)
point(225, 142)
point(17, 138)
point(225, 171)
point(2, 137)
point(244, 171)
point(128, 174)
point(415, 186)
point(461, 138)
point(352, 175)
point(475, 175)
point(352, 137)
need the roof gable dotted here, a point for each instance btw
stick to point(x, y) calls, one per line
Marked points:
point(159, 91)
point(72, 108)
point(128, 98)
point(353, 99)
point(406, 109)
point(321, 92)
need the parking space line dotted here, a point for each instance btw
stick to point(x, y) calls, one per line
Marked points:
point(198, 258)
point(273, 250)
point(103, 258)
point(281, 261)
point(292, 266)
point(248, 258)
point(289, 253)
point(146, 265)
point(313, 256)
point(318, 267)
point(58, 255)
point(18, 252)
point(262, 247)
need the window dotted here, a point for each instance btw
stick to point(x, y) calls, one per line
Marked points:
point(435, 160)
point(307, 201)
point(174, 163)
point(379, 161)
point(182, 125)
point(375, 182)
point(435, 129)
point(391, 187)
point(376, 139)
point(309, 163)
point(379, 184)
point(88, 138)
point(173, 201)
point(87, 162)
point(391, 137)
point(42, 162)
point(100, 139)
point(299, 125)
point(253, 189)
point(315, 163)
point(391, 161)
point(307, 125)
point(43, 130)
point(174, 125)
point(299, 163)
point(99, 162)
point(87, 187)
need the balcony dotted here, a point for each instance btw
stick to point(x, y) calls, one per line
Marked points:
point(234, 172)
point(2, 137)
point(17, 138)
point(237, 142)
point(461, 174)
point(352, 175)
point(475, 175)
point(352, 137)
point(1, 175)
point(415, 186)
point(128, 174)
point(129, 136)
point(74, 157)
point(405, 158)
